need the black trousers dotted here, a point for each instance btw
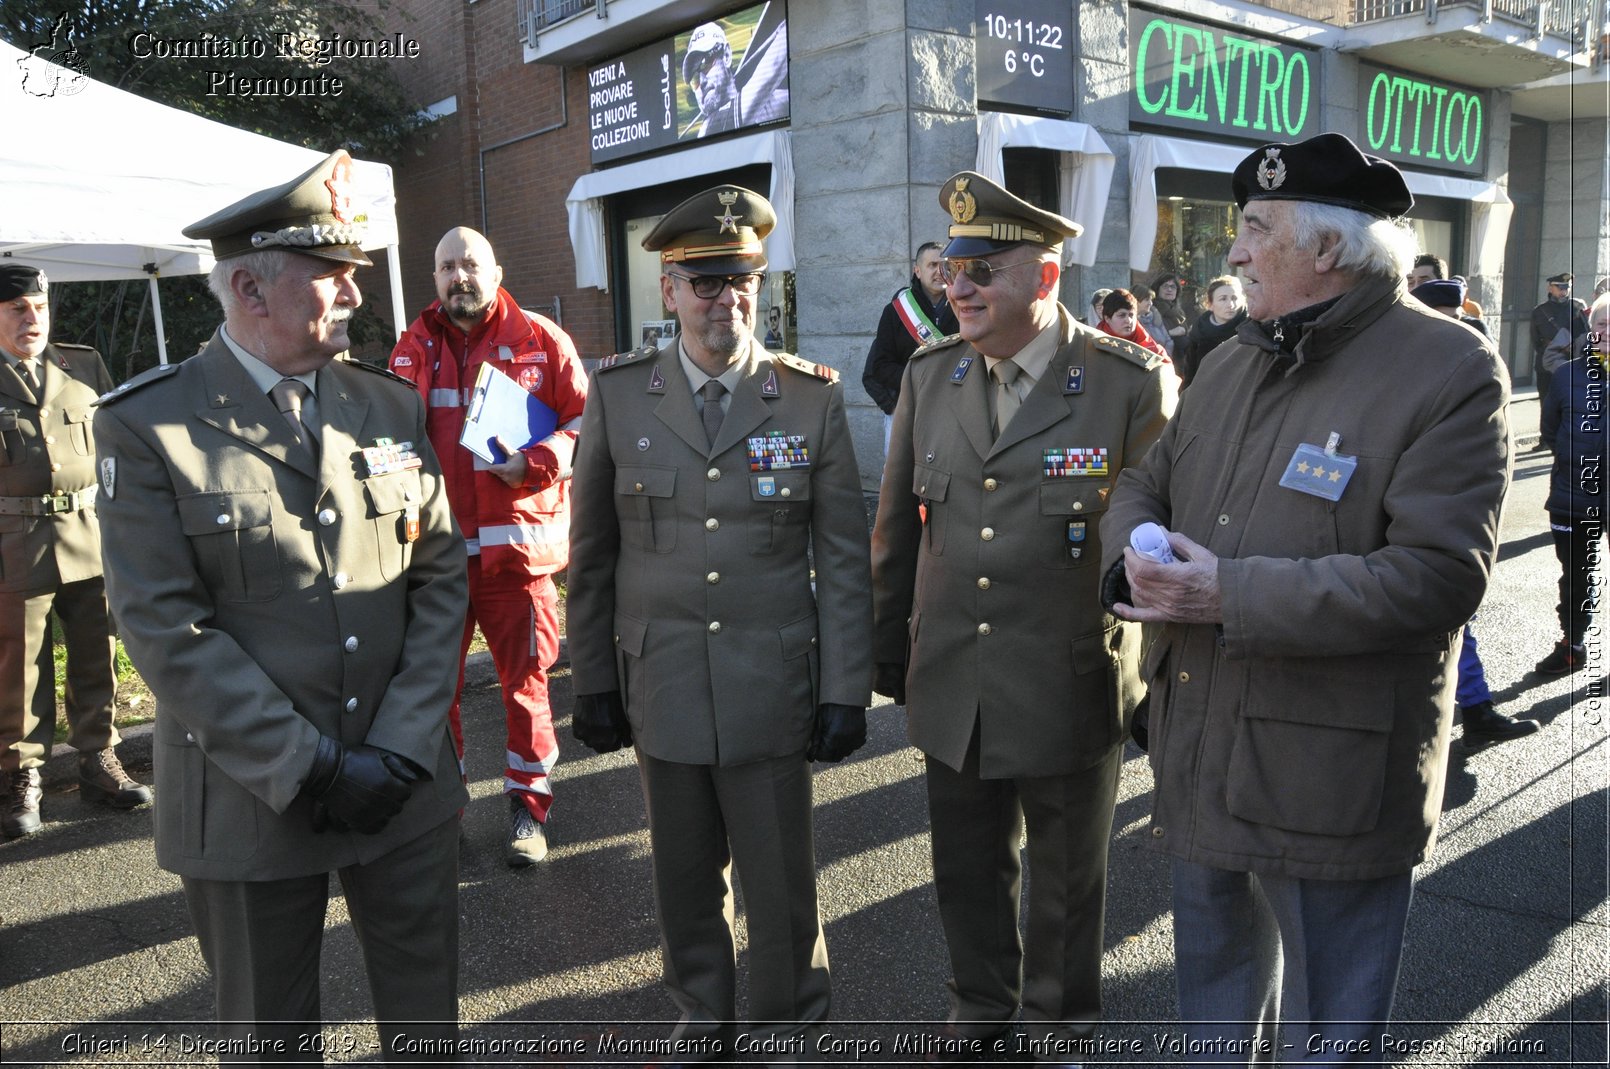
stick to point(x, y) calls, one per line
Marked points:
point(1576, 546)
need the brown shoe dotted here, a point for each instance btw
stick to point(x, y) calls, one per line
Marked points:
point(22, 803)
point(101, 779)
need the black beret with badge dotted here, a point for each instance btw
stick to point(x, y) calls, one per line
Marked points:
point(313, 213)
point(718, 232)
point(985, 218)
point(20, 280)
point(1326, 169)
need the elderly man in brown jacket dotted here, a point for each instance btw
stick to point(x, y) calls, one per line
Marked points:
point(985, 562)
point(1332, 482)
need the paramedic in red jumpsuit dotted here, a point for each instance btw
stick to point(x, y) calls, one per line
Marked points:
point(514, 515)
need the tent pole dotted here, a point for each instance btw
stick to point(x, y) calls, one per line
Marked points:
point(399, 314)
point(156, 319)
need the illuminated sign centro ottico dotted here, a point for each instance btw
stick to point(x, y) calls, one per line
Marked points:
point(1208, 79)
point(1412, 120)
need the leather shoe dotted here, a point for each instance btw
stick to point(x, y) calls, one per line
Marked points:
point(101, 779)
point(1565, 659)
point(22, 803)
point(1485, 726)
point(528, 839)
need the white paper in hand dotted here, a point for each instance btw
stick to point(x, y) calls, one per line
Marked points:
point(501, 408)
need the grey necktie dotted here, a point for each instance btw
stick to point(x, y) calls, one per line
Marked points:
point(288, 395)
point(713, 415)
point(1005, 375)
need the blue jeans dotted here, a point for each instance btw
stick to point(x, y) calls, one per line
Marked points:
point(1250, 947)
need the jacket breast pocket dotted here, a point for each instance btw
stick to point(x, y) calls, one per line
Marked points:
point(1310, 751)
point(393, 500)
point(644, 500)
point(232, 532)
point(10, 437)
point(931, 486)
point(78, 419)
point(782, 502)
point(1076, 506)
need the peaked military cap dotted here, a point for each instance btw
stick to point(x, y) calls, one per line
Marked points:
point(20, 280)
point(985, 218)
point(718, 232)
point(1326, 169)
point(1562, 278)
point(313, 213)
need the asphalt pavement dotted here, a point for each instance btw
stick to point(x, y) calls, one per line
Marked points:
point(1506, 959)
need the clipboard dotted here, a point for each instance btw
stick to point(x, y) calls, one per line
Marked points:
point(499, 407)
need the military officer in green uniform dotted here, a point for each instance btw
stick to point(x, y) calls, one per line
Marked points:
point(704, 472)
point(986, 563)
point(287, 577)
point(50, 559)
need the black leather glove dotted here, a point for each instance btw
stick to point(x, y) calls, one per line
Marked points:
point(889, 680)
point(361, 788)
point(599, 722)
point(838, 732)
point(1115, 586)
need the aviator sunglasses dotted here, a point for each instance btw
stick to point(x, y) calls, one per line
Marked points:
point(981, 272)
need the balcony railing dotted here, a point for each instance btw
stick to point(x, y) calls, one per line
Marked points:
point(1578, 21)
point(538, 15)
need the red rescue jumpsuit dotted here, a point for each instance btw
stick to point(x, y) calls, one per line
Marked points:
point(516, 537)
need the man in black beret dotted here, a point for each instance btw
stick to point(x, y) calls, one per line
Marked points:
point(1332, 482)
point(50, 559)
point(1559, 323)
point(287, 577)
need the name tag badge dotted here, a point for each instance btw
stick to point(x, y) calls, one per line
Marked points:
point(1311, 470)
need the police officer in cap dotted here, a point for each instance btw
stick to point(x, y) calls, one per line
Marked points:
point(707, 474)
point(50, 559)
point(287, 577)
point(1007, 439)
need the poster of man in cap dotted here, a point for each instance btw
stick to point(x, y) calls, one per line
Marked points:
point(734, 71)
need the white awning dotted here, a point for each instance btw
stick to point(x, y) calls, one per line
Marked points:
point(1490, 207)
point(585, 203)
point(1085, 169)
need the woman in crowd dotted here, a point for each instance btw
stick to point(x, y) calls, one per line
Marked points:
point(1118, 311)
point(1226, 308)
point(1166, 306)
point(1146, 315)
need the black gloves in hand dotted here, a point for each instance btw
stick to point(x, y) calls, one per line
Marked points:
point(889, 680)
point(599, 722)
point(838, 732)
point(361, 788)
point(1115, 586)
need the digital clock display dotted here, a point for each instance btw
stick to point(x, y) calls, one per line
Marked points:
point(1025, 55)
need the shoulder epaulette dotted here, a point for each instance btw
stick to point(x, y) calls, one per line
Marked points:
point(821, 371)
point(936, 345)
point(73, 345)
point(615, 360)
point(138, 382)
point(381, 371)
point(1135, 354)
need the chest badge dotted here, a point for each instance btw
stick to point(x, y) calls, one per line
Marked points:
point(769, 387)
point(109, 477)
point(1075, 382)
point(961, 369)
point(767, 486)
point(1319, 472)
point(656, 381)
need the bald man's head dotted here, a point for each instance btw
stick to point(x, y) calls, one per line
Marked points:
point(467, 276)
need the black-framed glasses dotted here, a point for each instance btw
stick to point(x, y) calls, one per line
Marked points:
point(709, 287)
point(981, 272)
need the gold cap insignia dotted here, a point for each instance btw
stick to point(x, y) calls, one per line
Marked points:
point(962, 205)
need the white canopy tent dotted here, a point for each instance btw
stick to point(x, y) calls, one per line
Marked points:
point(104, 182)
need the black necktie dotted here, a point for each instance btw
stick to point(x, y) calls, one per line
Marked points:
point(25, 368)
point(712, 408)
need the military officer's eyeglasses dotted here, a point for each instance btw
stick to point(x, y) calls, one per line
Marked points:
point(982, 272)
point(709, 287)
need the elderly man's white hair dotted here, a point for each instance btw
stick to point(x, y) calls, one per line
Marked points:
point(1365, 243)
point(266, 264)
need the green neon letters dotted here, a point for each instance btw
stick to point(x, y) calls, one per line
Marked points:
point(1407, 117)
point(1220, 80)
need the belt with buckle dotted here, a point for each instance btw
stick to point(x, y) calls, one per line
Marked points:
point(48, 504)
